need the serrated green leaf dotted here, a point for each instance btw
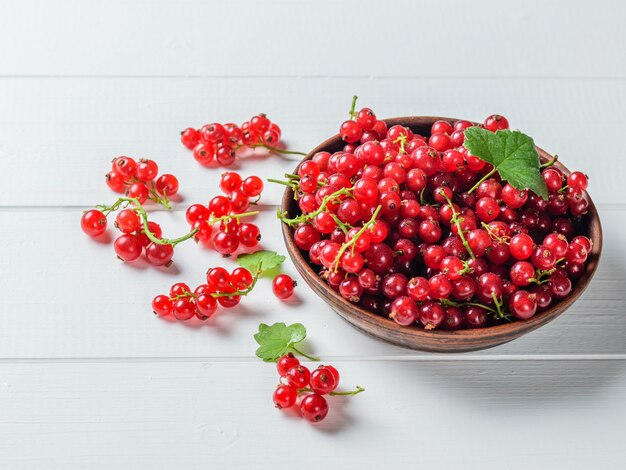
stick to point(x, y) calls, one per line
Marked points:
point(260, 261)
point(512, 154)
point(276, 340)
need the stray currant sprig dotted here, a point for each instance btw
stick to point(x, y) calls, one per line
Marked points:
point(302, 218)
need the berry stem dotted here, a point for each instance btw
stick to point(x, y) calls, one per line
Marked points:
point(310, 358)
point(349, 393)
point(457, 222)
point(352, 112)
point(451, 303)
point(356, 237)
point(274, 149)
point(550, 163)
point(154, 196)
point(306, 217)
point(481, 180)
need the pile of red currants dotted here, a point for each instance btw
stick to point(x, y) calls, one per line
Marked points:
point(229, 209)
point(298, 381)
point(218, 143)
point(138, 179)
point(221, 287)
point(416, 228)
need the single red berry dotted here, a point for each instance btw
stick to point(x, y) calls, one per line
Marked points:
point(127, 247)
point(495, 122)
point(162, 305)
point(298, 376)
point(184, 309)
point(93, 222)
point(147, 170)
point(166, 185)
point(322, 381)
point(189, 137)
point(252, 186)
point(128, 221)
point(314, 407)
point(285, 396)
point(159, 255)
point(283, 286)
point(241, 278)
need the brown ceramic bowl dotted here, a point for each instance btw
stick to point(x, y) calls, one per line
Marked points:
point(415, 337)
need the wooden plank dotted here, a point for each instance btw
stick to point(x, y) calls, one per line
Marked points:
point(68, 296)
point(528, 414)
point(190, 38)
point(61, 134)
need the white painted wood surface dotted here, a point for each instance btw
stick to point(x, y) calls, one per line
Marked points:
point(90, 379)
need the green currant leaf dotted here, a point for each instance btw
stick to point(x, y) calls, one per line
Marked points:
point(260, 261)
point(277, 339)
point(512, 154)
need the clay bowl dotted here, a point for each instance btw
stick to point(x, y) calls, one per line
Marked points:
point(414, 337)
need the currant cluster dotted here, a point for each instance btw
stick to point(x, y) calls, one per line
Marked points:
point(418, 229)
point(218, 143)
point(140, 180)
point(221, 287)
point(298, 381)
point(229, 209)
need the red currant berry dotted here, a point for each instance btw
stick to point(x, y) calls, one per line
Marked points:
point(283, 286)
point(241, 278)
point(285, 396)
point(127, 247)
point(314, 407)
point(523, 304)
point(147, 170)
point(159, 255)
point(166, 185)
point(184, 309)
point(189, 137)
point(298, 376)
point(252, 186)
point(125, 166)
point(495, 122)
point(93, 222)
point(162, 305)
point(322, 381)
point(285, 363)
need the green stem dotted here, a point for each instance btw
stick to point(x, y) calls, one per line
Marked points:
point(164, 201)
point(356, 237)
point(275, 149)
point(550, 163)
point(352, 112)
point(310, 358)
point(447, 302)
point(457, 222)
point(481, 180)
point(349, 393)
point(306, 217)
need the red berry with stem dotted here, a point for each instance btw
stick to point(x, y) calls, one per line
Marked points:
point(180, 288)
point(128, 221)
point(350, 131)
point(314, 407)
point(166, 185)
point(93, 222)
point(204, 153)
point(322, 381)
point(431, 314)
point(522, 273)
point(285, 396)
point(127, 247)
point(225, 243)
point(577, 180)
point(241, 278)
point(475, 317)
point(138, 191)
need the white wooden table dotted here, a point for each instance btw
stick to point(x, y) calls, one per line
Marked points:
point(90, 379)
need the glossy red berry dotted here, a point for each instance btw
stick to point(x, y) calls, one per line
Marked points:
point(93, 222)
point(314, 407)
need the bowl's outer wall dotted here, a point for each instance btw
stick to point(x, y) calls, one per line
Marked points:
point(414, 337)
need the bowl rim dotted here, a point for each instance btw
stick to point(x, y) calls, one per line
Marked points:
point(492, 333)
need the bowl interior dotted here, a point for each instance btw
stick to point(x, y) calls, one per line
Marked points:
point(435, 340)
